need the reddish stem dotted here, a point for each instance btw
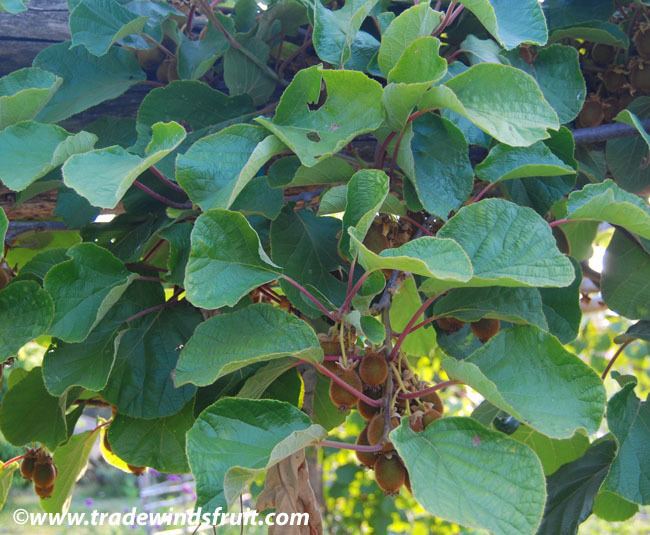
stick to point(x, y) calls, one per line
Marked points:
point(353, 291)
point(482, 193)
point(13, 460)
point(270, 294)
point(353, 264)
point(347, 446)
point(413, 222)
point(430, 390)
point(153, 250)
point(345, 386)
point(160, 198)
point(559, 222)
point(380, 153)
point(409, 326)
point(165, 180)
point(145, 312)
point(613, 359)
point(320, 306)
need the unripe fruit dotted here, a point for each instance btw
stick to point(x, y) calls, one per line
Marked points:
point(485, 328)
point(376, 430)
point(365, 458)
point(434, 399)
point(430, 416)
point(640, 76)
point(150, 58)
point(450, 325)
point(339, 395)
point(366, 410)
point(614, 79)
point(27, 465)
point(44, 474)
point(642, 40)
point(373, 369)
point(390, 473)
point(603, 55)
point(44, 492)
point(592, 113)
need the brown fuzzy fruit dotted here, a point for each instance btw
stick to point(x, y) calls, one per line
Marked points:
point(642, 40)
point(150, 58)
point(415, 422)
point(373, 369)
point(339, 395)
point(603, 55)
point(435, 400)
point(450, 325)
point(430, 416)
point(614, 79)
point(390, 473)
point(592, 114)
point(368, 411)
point(44, 492)
point(364, 457)
point(485, 328)
point(640, 76)
point(44, 474)
point(376, 431)
point(27, 465)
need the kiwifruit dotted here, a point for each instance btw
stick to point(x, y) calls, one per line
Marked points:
point(373, 369)
point(485, 328)
point(642, 40)
point(390, 473)
point(364, 457)
point(640, 76)
point(614, 79)
point(27, 464)
point(44, 473)
point(368, 411)
point(44, 492)
point(376, 430)
point(166, 71)
point(429, 416)
point(602, 54)
point(592, 113)
point(149, 58)
point(449, 325)
point(434, 399)
point(415, 422)
point(339, 395)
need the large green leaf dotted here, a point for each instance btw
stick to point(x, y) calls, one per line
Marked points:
point(628, 419)
point(140, 384)
point(230, 341)
point(89, 363)
point(366, 193)
point(607, 202)
point(443, 179)
point(417, 21)
point(287, 172)
point(87, 79)
point(562, 308)
point(197, 56)
point(573, 488)
point(97, 24)
point(625, 283)
point(158, 443)
point(26, 312)
point(441, 259)
point(506, 163)
point(420, 63)
point(406, 301)
point(24, 93)
point(234, 440)
point(335, 31)
point(216, 168)
point(511, 23)
point(522, 365)
point(30, 414)
point(457, 472)
point(516, 305)
point(353, 107)
point(508, 245)
point(244, 77)
point(399, 102)
point(501, 100)
point(84, 288)
point(104, 175)
point(30, 150)
point(70, 460)
point(6, 476)
point(226, 260)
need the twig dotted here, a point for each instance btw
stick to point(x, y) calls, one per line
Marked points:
point(347, 446)
point(430, 390)
point(613, 359)
point(407, 330)
point(320, 306)
point(160, 198)
point(165, 180)
point(597, 134)
point(344, 385)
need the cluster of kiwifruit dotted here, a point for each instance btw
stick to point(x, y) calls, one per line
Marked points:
point(483, 329)
point(37, 466)
point(615, 77)
point(137, 470)
point(387, 232)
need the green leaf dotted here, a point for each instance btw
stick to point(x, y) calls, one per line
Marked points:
point(510, 23)
point(287, 172)
point(485, 94)
point(417, 21)
point(24, 93)
point(629, 118)
point(613, 508)
point(552, 452)
point(244, 77)
point(13, 7)
point(21, 424)
point(572, 489)
point(228, 342)
point(625, 277)
point(89, 363)
point(508, 245)
point(441, 259)
point(234, 440)
point(562, 308)
point(443, 179)
point(405, 303)
point(158, 443)
point(26, 312)
point(84, 288)
point(353, 107)
point(557, 71)
point(306, 246)
point(6, 476)
point(399, 102)
point(30, 150)
point(521, 365)
point(141, 383)
point(366, 193)
point(335, 31)
point(70, 460)
point(506, 163)
point(196, 57)
point(259, 382)
point(226, 260)
point(216, 168)
point(98, 24)
point(87, 79)
point(420, 63)
point(515, 305)
point(178, 237)
point(325, 412)
point(259, 198)
point(113, 169)
point(595, 31)
point(628, 419)
point(456, 464)
point(607, 202)
point(639, 331)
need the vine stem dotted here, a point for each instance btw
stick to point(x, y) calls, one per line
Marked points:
point(482, 193)
point(160, 198)
point(354, 291)
point(409, 326)
point(165, 180)
point(344, 385)
point(145, 312)
point(425, 231)
point(380, 153)
point(354, 447)
point(559, 222)
point(13, 460)
point(430, 390)
point(311, 297)
point(209, 13)
point(613, 359)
